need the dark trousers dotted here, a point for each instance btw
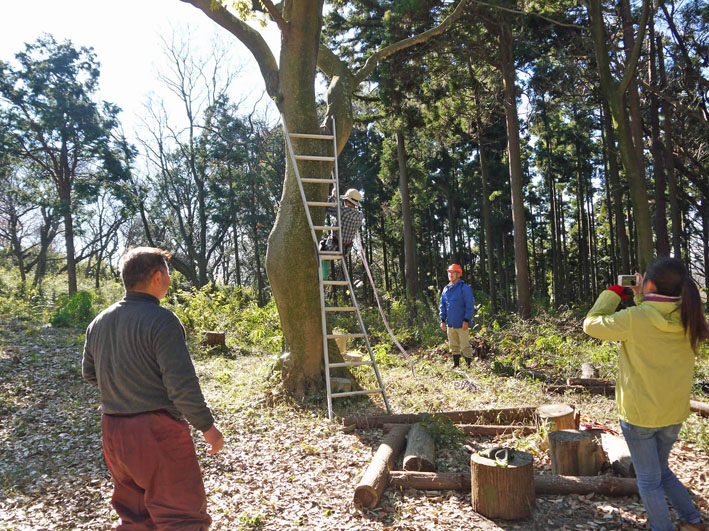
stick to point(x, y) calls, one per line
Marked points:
point(156, 476)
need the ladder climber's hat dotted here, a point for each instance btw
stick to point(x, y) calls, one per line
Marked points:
point(352, 195)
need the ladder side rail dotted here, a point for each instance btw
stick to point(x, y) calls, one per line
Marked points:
point(366, 336)
point(319, 268)
point(300, 184)
point(337, 190)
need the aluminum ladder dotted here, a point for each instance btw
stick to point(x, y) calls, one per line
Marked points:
point(331, 255)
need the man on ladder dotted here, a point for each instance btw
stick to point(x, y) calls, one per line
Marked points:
point(352, 218)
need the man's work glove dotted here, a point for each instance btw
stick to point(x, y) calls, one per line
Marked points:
point(622, 292)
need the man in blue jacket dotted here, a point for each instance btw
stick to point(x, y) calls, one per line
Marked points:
point(456, 313)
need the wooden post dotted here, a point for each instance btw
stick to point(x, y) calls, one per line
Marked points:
point(503, 492)
point(476, 416)
point(374, 481)
point(574, 453)
point(588, 371)
point(420, 450)
point(546, 484)
point(496, 429)
point(559, 417)
point(214, 338)
point(701, 408)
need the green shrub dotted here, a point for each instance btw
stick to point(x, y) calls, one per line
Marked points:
point(76, 311)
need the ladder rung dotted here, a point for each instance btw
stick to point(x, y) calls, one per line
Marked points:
point(330, 252)
point(333, 336)
point(319, 158)
point(325, 227)
point(330, 256)
point(322, 181)
point(335, 283)
point(321, 203)
point(351, 364)
point(340, 308)
point(354, 393)
point(311, 136)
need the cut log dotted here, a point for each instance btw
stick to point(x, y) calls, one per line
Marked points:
point(558, 417)
point(503, 492)
point(476, 416)
point(374, 481)
point(420, 452)
point(588, 371)
point(213, 338)
point(605, 390)
point(618, 454)
point(543, 485)
point(701, 408)
point(591, 381)
point(496, 429)
point(574, 453)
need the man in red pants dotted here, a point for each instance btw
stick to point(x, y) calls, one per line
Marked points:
point(135, 352)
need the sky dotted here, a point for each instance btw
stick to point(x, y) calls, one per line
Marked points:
point(125, 36)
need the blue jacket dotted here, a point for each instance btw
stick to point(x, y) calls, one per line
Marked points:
point(457, 304)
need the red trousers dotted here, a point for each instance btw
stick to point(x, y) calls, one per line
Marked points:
point(156, 476)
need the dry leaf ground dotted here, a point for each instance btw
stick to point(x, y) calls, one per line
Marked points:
point(283, 467)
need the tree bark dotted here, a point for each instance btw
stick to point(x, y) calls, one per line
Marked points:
point(515, 166)
point(503, 492)
point(658, 153)
point(614, 92)
point(574, 453)
point(408, 233)
point(487, 222)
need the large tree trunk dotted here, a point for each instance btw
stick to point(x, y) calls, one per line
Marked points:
point(515, 164)
point(658, 154)
point(487, 223)
point(409, 254)
point(291, 261)
point(64, 189)
point(616, 190)
point(615, 92)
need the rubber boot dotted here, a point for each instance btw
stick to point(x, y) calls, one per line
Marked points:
point(468, 361)
point(456, 360)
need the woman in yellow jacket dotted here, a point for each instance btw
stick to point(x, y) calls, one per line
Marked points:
point(658, 342)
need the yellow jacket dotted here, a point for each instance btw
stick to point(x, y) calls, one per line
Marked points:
point(656, 359)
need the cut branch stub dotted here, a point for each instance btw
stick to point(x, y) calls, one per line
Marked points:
point(503, 492)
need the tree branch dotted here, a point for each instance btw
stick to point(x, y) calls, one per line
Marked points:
point(377, 56)
point(637, 48)
point(247, 35)
point(275, 15)
point(530, 13)
point(674, 103)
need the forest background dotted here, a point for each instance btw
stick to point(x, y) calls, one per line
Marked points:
point(544, 146)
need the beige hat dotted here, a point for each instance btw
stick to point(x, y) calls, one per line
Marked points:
point(352, 195)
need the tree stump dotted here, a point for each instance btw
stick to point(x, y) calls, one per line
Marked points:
point(588, 371)
point(420, 452)
point(214, 338)
point(574, 453)
point(503, 492)
point(376, 477)
point(559, 417)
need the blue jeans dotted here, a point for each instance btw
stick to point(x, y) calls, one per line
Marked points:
point(650, 448)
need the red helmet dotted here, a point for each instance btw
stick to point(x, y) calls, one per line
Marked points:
point(456, 268)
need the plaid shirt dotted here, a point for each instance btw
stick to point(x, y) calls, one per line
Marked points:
point(351, 218)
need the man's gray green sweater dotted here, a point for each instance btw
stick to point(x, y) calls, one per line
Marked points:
point(135, 352)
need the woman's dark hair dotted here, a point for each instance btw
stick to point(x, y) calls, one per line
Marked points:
point(138, 264)
point(673, 280)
